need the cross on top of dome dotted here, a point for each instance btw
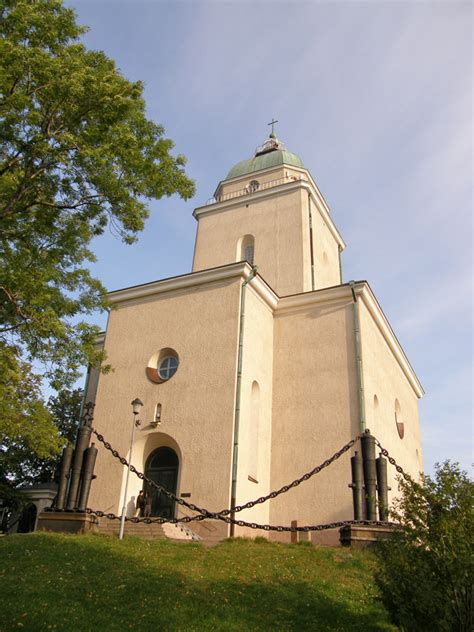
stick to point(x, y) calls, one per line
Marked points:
point(272, 144)
point(272, 123)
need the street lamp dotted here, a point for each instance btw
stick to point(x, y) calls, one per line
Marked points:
point(136, 406)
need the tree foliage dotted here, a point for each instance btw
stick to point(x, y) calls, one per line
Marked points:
point(427, 570)
point(21, 463)
point(77, 154)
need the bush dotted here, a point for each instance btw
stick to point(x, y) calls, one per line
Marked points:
point(426, 571)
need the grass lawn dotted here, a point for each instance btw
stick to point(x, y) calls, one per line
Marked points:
point(85, 583)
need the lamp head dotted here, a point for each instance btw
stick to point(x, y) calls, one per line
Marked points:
point(136, 406)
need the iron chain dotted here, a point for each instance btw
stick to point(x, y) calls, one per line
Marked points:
point(392, 461)
point(241, 523)
point(225, 512)
point(223, 515)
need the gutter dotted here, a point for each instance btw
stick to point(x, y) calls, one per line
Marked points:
point(359, 365)
point(238, 389)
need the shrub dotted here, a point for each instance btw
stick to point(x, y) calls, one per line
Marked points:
point(426, 571)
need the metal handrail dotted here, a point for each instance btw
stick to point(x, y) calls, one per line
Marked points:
point(253, 189)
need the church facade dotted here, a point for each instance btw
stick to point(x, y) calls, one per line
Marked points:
point(256, 366)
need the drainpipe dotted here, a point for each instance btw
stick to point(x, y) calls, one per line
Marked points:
point(339, 251)
point(359, 366)
point(238, 388)
point(311, 241)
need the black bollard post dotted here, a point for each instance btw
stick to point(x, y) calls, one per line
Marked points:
point(370, 475)
point(90, 456)
point(64, 477)
point(82, 443)
point(382, 488)
point(357, 486)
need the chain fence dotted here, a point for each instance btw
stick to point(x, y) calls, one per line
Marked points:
point(237, 508)
point(241, 523)
point(223, 515)
point(392, 461)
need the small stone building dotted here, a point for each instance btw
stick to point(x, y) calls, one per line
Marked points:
point(257, 365)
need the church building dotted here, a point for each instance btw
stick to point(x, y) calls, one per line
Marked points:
point(255, 367)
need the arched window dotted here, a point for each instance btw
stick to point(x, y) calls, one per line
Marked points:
point(246, 248)
point(254, 431)
point(399, 420)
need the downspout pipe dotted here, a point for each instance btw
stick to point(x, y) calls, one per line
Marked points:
point(339, 252)
point(359, 365)
point(238, 389)
point(311, 249)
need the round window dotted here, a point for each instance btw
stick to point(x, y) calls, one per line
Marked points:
point(162, 365)
point(168, 367)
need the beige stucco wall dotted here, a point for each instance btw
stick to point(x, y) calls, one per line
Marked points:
point(277, 225)
point(326, 251)
point(257, 366)
point(385, 379)
point(315, 411)
point(201, 324)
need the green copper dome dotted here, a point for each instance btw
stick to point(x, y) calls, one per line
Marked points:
point(271, 154)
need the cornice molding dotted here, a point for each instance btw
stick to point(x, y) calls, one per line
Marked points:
point(341, 293)
point(259, 194)
point(100, 339)
point(279, 305)
point(335, 294)
point(282, 189)
point(364, 291)
point(241, 269)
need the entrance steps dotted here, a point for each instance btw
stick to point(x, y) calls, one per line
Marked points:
point(154, 531)
point(178, 531)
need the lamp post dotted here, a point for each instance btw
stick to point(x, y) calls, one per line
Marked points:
point(136, 406)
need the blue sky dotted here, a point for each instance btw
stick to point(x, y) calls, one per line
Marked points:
point(376, 98)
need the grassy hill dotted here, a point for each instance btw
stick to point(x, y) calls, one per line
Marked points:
point(85, 583)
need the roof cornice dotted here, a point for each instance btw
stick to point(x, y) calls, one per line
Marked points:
point(326, 295)
point(241, 269)
point(285, 188)
point(364, 290)
point(279, 305)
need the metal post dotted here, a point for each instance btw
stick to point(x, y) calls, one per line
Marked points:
point(90, 456)
point(357, 486)
point(382, 488)
point(64, 477)
point(136, 422)
point(370, 476)
point(82, 443)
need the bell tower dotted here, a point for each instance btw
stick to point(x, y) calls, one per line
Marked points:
point(269, 211)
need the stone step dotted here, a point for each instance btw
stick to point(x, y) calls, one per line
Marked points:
point(149, 531)
point(177, 531)
point(172, 531)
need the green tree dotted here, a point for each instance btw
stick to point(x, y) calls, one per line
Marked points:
point(427, 570)
point(77, 154)
point(20, 463)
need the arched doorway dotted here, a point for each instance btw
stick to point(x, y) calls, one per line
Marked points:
point(27, 521)
point(162, 467)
